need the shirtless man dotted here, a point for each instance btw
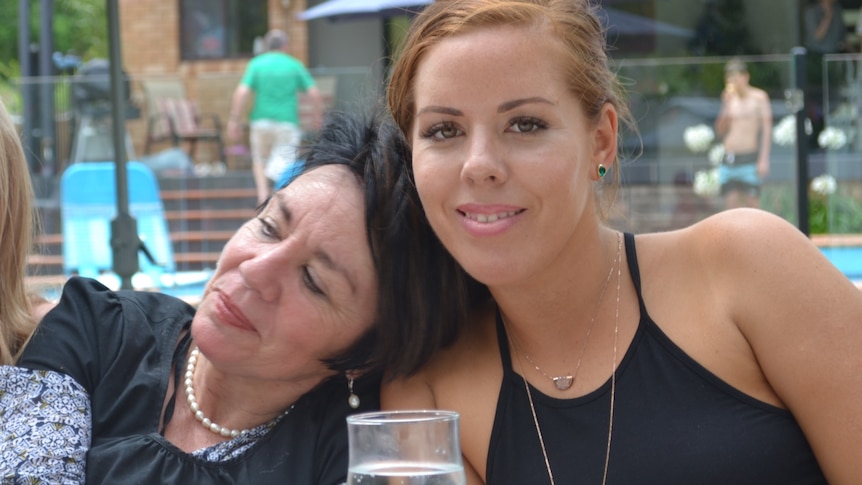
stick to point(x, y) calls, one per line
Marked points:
point(745, 125)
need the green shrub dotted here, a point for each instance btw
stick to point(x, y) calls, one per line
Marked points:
point(836, 213)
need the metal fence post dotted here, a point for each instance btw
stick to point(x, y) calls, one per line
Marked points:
point(800, 107)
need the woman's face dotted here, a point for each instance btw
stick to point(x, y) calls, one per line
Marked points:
point(504, 156)
point(293, 286)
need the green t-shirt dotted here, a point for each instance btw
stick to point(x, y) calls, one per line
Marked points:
point(276, 78)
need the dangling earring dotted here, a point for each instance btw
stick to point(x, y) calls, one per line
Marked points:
point(601, 171)
point(353, 399)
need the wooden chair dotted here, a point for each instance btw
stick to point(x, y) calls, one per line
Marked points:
point(174, 118)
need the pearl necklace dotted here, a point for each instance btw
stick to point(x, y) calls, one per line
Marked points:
point(199, 414)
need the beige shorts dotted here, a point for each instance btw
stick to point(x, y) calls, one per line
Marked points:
point(275, 144)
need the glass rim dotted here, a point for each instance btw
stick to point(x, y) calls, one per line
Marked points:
point(402, 416)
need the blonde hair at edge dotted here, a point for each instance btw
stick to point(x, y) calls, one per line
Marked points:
point(16, 232)
point(573, 23)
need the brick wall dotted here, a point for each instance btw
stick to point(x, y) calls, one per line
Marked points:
point(149, 31)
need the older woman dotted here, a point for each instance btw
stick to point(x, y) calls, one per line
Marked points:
point(254, 385)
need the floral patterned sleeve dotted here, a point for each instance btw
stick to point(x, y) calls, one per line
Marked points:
point(45, 427)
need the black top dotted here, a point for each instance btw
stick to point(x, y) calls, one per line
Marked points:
point(674, 423)
point(119, 347)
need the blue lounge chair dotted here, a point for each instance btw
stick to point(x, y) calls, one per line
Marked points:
point(88, 204)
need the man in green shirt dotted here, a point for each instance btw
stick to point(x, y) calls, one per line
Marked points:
point(274, 78)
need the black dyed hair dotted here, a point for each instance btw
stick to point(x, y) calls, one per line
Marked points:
point(422, 292)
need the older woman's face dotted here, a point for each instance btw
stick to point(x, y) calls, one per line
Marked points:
point(294, 285)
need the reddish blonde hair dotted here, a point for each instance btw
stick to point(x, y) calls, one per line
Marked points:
point(574, 23)
point(17, 223)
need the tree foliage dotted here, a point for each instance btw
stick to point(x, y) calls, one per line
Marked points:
point(79, 27)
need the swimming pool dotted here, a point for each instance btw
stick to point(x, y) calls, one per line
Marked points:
point(846, 258)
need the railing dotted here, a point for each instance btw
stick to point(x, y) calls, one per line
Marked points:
point(667, 96)
point(658, 169)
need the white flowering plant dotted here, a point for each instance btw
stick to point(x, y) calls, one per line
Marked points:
point(706, 183)
point(716, 154)
point(829, 210)
point(698, 138)
point(784, 132)
point(701, 139)
point(824, 185)
point(832, 138)
point(832, 208)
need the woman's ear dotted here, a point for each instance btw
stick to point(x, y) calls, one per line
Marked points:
point(605, 136)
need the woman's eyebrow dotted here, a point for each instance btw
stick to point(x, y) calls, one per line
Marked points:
point(330, 263)
point(441, 110)
point(283, 208)
point(510, 105)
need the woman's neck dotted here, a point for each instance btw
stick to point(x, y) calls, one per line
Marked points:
point(564, 292)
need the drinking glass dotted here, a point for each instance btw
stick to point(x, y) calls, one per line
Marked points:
point(405, 448)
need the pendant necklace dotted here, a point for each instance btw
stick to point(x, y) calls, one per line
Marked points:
point(618, 264)
point(564, 382)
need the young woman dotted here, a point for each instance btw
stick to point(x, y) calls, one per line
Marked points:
point(727, 352)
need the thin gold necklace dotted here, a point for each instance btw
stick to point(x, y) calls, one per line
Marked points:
point(618, 264)
point(565, 381)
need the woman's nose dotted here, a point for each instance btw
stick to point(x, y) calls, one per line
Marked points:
point(484, 163)
point(267, 270)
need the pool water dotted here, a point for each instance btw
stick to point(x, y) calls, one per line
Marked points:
point(846, 258)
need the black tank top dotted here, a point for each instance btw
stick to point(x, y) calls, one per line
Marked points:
point(674, 423)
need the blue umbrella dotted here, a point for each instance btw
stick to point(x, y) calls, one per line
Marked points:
point(618, 22)
point(337, 9)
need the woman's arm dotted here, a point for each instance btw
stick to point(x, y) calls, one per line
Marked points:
point(415, 393)
point(803, 320)
point(45, 428)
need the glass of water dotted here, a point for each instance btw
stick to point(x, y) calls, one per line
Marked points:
point(405, 448)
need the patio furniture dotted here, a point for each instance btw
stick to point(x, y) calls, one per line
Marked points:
point(174, 118)
point(87, 206)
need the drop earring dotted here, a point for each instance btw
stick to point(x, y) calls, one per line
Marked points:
point(601, 171)
point(353, 399)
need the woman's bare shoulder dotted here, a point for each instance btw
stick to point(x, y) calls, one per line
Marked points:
point(730, 233)
point(450, 368)
point(726, 258)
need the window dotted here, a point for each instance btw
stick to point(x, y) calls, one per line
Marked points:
point(218, 29)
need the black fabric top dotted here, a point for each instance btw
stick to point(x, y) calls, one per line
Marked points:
point(119, 347)
point(674, 423)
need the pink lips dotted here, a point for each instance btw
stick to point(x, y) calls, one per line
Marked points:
point(488, 220)
point(229, 314)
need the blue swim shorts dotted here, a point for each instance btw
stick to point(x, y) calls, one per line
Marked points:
point(739, 173)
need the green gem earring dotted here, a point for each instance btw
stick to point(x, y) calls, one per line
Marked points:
point(601, 170)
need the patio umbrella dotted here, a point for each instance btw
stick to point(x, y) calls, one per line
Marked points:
point(124, 228)
point(618, 22)
point(342, 9)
